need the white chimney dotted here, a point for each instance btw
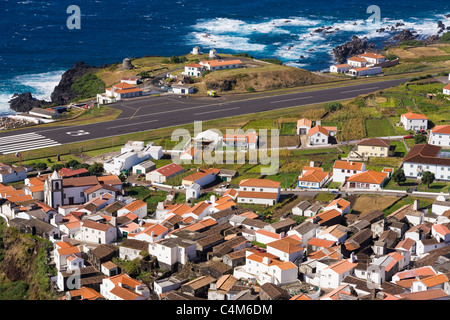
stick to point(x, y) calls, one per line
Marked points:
point(311, 163)
point(152, 233)
point(416, 204)
point(213, 199)
point(266, 260)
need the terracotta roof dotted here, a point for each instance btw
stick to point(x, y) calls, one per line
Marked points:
point(80, 181)
point(426, 153)
point(447, 87)
point(370, 176)
point(343, 65)
point(411, 115)
point(327, 216)
point(375, 142)
point(216, 63)
point(304, 122)
point(442, 129)
point(320, 242)
point(360, 69)
point(357, 59)
point(417, 272)
point(169, 169)
point(342, 266)
point(194, 65)
point(269, 234)
point(341, 203)
point(135, 205)
point(314, 176)
point(442, 230)
point(259, 183)
point(371, 55)
point(288, 245)
point(109, 180)
point(96, 225)
point(348, 165)
point(317, 129)
point(432, 281)
point(425, 295)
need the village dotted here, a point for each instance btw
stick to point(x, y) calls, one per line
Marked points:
point(218, 243)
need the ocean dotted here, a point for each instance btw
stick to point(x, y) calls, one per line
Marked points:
point(36, 46)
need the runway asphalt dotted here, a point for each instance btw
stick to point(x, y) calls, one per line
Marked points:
point(148, 113)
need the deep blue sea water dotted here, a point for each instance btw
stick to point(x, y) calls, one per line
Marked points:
point(36, 46)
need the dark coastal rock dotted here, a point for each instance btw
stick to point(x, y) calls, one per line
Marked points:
point(404, 35)
point(432, 39)
point(63, 93)
point(353, 47)
point(24, 102)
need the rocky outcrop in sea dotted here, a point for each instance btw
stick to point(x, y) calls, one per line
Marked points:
point(63, 93)
point(24, 102)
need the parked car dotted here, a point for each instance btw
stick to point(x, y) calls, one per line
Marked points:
point(408, 137)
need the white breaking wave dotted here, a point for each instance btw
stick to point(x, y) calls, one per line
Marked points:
point(41, 85)
point(234, 34)
point(225, 42)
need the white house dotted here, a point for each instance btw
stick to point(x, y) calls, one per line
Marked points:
point(162, 174)
point(131, 79)
point(342, 170)
point(265, 236)
point(99, 233)
point(213, 65)
point(259, 191)
point(152, 233)
point(341, 205)
point(439, 281)
point(10, 174)
point(118, 92)
point(123, 287)
point(357, 62)
point(313, 179)
point(240, 141)
point(318, 136)
point(440, 136)
point(201, 177)
point(287, 249)
point(332, 275)
point(440, 232)
point(446, 90)
point(427, 157)
point(373, 58)
point(367, 180)
point(63, 250)
point(425, 245)
point(194, 70)
point(170, 251)
point(364, 71)
point(133, 153)
point(137, 207)
point(268, 268)
point(181, 89)
point(303, 126)
point(414, 121)
point(340, 68)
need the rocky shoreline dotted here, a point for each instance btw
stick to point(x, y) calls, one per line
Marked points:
point(62, 94)
point(399, 35)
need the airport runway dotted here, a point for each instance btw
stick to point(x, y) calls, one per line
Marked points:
point(148, 113)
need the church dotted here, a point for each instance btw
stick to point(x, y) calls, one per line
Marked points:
point(59, 191)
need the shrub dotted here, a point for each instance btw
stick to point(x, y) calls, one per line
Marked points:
point(391, 56)
point(332, 106)
point(251, 89)
point(88, 86)
point(272, 60)
point(445, 38)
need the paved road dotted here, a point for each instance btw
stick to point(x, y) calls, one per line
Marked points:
point(147, 113)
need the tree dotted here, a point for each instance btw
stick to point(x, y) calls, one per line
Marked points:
point(82, 165)
point(40, 166)
point(57, 166)
point(332, 106)
point(72, 163)
point(399, 176)
point(420, 138)
point(428, 178)
point(96, 168)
